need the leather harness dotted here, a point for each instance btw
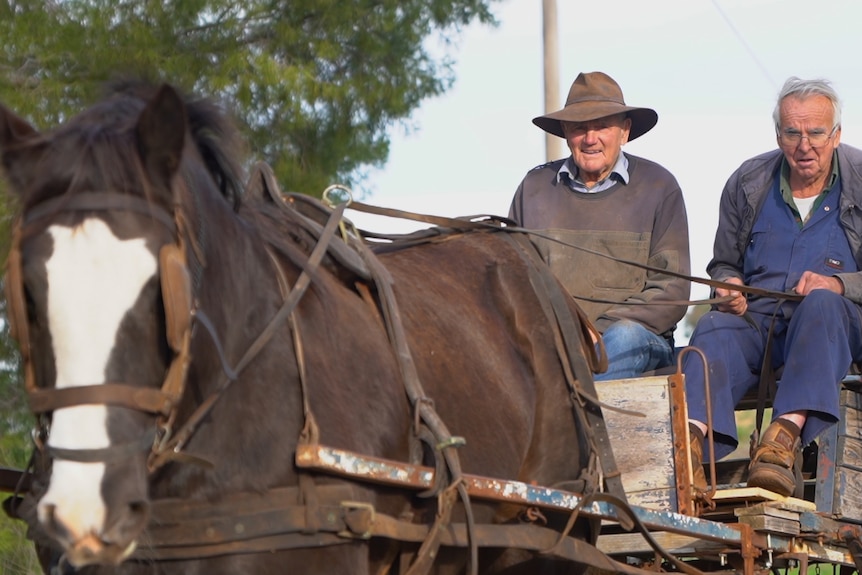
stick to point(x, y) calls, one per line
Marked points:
point(306, 515)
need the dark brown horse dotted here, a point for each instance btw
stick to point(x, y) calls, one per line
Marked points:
point(181, 339)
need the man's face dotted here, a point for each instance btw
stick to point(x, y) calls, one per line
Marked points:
point(596, 145)
point(806, 137)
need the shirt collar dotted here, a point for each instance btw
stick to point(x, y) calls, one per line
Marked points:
point(568, 174)
point(784, 180)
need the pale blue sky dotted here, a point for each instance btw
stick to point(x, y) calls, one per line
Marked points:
point(713, 84)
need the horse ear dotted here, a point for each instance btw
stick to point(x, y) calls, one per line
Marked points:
point(161, 134)
point(14, 130)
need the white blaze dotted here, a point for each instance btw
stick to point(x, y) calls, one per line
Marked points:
point(94, 278)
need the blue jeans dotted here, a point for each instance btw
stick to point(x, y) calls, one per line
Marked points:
point(633, 349)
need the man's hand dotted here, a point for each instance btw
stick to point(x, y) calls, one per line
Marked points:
point(738, 305)
point(811, 281)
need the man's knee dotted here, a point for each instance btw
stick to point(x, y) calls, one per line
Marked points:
point(713, 321)
point(624, 329)
point(820, 301)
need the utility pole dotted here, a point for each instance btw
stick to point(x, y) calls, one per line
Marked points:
point(554, 148)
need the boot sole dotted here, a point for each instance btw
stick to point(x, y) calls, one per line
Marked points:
point(772, 477)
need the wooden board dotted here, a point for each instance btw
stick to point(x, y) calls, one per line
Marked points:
point(755, 495)
point(642, 446)
point(850, 422)
point(850, 452)
point(771, 524)
point(844, 480)
point(847, 497)
point(634, 544)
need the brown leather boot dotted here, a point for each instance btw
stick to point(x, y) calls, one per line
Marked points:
point(695, 449)
point(777, 460)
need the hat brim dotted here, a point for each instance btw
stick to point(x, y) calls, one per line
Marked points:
point(643, 119)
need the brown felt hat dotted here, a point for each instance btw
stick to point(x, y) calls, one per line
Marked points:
point(592, 96)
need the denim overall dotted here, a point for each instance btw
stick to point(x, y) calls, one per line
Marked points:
point(815, 340)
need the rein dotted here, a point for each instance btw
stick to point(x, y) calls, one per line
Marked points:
point(475, 223)
point(177, 443)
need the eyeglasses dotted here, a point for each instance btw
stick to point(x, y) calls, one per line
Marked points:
point(816, 138)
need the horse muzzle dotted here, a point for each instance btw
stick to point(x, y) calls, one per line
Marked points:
point(111, 547)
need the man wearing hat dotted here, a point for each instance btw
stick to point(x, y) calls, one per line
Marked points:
point(604, 201)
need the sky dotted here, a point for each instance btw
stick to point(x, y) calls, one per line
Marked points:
point(710, 68)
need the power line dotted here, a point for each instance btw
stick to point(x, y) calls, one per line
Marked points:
point(745, 45)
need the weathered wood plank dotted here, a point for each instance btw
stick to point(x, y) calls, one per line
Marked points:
point(658, 499)
point(847, 499)
point(642, 446)
point(755, 495)
point(850, 422)
point(634, 543)
point(767, 509)
point(851, 396)
point(849, 452)
point(771, 524)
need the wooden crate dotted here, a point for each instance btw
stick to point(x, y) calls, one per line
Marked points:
point(839, 469)
point(642, 446)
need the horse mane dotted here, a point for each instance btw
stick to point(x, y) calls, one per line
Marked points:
point(213, 131)
point(104, 133)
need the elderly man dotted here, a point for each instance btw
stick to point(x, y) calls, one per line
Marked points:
point(600, 200)
point(789, 221)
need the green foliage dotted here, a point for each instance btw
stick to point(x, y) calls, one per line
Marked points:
point(17, 556)
point(314, 83)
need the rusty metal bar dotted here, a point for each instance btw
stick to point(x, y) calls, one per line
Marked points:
point(393, 473)
point(683, 464)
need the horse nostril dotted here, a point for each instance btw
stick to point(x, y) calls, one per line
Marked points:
point(140, 510)
point(133, 522)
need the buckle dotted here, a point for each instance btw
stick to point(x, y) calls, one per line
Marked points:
point(359, 517)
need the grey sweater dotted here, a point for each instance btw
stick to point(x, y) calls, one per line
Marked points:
point(643, 221)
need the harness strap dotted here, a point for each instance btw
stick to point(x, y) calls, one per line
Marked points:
point(116, 452)
point(766, 384)
point(422, 405)
point(145, 399)
point(185, 433)
point(274, 524)
point(581, 385)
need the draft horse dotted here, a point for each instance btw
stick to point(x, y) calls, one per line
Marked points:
point(181, 338)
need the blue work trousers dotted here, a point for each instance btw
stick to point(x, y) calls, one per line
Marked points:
point(816, 347)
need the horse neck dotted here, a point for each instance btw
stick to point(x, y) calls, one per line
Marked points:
point(236, 284)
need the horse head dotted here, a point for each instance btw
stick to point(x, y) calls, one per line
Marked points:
point(100, 301)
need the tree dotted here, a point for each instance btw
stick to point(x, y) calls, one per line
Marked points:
point(314, 83)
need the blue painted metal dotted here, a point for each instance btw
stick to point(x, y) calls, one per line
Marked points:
point(377, 470)
point(819, 546)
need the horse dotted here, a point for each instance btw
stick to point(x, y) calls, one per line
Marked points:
point(182, 338)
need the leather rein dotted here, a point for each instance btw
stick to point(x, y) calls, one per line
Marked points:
point(484, 221)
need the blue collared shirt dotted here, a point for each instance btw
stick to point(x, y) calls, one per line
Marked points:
point(568, 174)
